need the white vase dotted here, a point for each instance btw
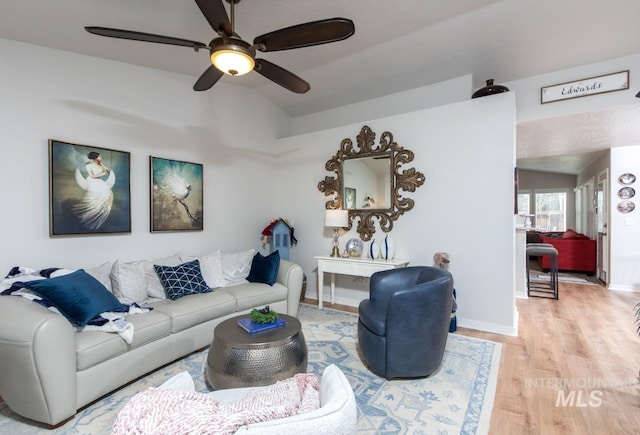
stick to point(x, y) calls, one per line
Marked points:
point(374, 250)
point(388, 248)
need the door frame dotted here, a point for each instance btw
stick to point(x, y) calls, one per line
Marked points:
point(601, 217)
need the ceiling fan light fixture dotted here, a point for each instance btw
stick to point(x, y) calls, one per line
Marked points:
point(233, 57)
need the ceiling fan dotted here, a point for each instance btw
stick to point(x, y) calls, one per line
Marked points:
point(232, 55)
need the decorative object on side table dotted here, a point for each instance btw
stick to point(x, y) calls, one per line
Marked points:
point(355, 247)
point(261, 320)
point(374, 250)
point(388, 248)
point(336, 219)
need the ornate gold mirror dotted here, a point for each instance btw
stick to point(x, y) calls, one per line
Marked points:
point(369, 179)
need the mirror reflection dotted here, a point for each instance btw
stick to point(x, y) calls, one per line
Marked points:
point(367, 183)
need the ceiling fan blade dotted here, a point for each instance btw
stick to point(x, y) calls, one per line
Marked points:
point(216, 15)
point(281, 76)
point(208, 78)
point(146, 37)
point(306, 34)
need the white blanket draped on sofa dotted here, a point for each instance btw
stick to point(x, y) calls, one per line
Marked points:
point(113, 322)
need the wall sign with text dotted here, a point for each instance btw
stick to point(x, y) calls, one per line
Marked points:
point(581, 88)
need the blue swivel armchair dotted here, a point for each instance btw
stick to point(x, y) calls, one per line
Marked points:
point(403, 326)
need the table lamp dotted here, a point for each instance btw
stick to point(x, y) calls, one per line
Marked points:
point(336, 219)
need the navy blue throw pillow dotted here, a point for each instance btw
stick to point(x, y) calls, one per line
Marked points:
point(185, 279)
point(265, 269)
point(78, 296)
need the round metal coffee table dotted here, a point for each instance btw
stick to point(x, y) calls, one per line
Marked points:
point(239, 359)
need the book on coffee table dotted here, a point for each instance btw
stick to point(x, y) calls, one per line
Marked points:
point(252, 327)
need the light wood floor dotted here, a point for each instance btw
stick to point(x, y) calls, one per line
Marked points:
point(584, 344)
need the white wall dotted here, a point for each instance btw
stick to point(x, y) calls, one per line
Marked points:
point(438, 94)
point(528, 90)
point(590, 172)
point(466, 151)
point(54, 94)
point(624, 228)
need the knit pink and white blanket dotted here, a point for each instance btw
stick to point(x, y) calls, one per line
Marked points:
point(163, 411)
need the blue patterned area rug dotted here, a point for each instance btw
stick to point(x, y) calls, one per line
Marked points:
point(458, 399)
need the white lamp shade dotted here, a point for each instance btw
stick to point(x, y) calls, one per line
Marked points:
point(336, 218)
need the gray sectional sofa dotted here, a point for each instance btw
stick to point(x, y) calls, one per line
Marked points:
point(49, 370)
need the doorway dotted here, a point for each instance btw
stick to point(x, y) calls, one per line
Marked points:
point(601, 218)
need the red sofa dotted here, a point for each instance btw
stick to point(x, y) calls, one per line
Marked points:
point(576, 252)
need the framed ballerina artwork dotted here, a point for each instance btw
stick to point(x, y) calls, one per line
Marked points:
point(89, 190)
point(176, 195)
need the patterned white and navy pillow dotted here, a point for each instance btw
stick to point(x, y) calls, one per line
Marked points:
point(182, 280)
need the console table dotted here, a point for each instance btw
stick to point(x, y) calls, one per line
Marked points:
point(350, 266)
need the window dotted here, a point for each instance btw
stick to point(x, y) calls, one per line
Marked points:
point(551, 211)
point(548, 208)
point(524, 203)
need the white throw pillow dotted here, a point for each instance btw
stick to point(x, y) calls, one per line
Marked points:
point(103, 274)
point(211, 268)
point(61, 272)
point(128, 282)
point(237, 265)
point(155, 289)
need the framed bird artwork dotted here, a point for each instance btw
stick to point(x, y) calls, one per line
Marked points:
point(89, 190)
point(176, 195)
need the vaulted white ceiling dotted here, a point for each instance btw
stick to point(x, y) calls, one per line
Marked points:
point(398, 45)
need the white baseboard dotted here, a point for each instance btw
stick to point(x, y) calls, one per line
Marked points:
point(624, 287)
point(461, 321)
point(490, 327)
